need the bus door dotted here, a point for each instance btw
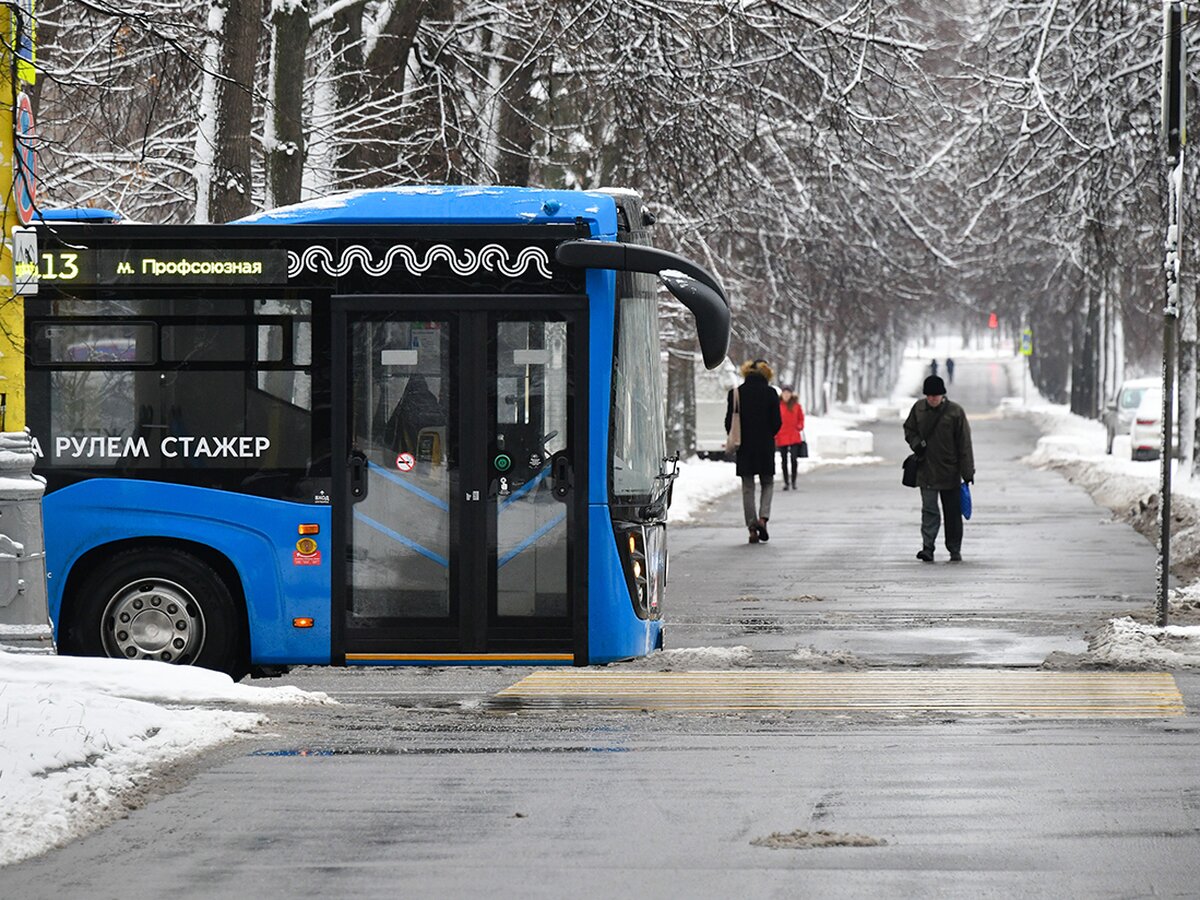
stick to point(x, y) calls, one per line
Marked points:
point(461, 497)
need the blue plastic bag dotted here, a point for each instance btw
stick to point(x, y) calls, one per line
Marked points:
point(964, 499)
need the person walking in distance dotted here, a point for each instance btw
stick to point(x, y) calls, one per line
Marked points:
point(949, 370)
point(790, 434)
point(938, 432)
point(758, 411)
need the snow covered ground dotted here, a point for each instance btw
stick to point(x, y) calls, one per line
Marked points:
point(78, 734)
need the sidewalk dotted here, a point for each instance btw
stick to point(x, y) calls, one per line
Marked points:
point(839, 583)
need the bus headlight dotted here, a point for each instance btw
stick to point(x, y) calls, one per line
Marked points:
point(643, 556)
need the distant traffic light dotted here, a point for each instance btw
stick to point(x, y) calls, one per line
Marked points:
point(993, 322)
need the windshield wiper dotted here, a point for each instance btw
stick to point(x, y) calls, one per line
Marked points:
point(660, 498)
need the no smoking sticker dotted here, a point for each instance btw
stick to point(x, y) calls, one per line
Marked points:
point(405, 462)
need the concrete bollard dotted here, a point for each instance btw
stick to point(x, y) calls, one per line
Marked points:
point(24, 616)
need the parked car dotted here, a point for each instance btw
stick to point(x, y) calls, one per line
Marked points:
point(1118, 415)
point(1145, 429)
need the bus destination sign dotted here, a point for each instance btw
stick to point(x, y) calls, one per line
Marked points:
point(69, 267)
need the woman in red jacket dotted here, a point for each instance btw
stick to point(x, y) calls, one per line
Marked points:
point(790, 434)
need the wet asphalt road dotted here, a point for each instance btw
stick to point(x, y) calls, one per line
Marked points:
point(420, 784)
point(1042, 563)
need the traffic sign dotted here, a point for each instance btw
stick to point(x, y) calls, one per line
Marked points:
point(405, 462)
point(22, 37)
point(1027, 342)
point(1174, 80)
point(25, 176)
point(25, 262)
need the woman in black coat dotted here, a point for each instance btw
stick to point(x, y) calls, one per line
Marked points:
point(758, 407)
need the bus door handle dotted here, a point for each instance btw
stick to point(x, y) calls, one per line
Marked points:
point(560, 475)
point(358, 476)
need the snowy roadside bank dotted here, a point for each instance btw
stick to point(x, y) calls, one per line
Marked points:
point(1073, 447)
point(703, 481)
point(80, 737)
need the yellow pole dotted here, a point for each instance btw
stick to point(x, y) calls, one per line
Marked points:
point(12, 307)
point(24, 616)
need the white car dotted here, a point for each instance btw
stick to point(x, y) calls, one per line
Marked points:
point(1118, 415)
point(1145, 430)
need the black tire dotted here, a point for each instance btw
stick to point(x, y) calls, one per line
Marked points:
point(161, 604)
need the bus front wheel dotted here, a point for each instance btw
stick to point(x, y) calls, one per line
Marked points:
point(163, 604)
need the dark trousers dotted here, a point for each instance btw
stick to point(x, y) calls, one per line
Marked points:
point(792, 450)
point(767, 483)
point(930, 520)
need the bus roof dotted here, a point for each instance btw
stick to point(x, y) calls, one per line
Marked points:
point(81, 214)
point(449, 203)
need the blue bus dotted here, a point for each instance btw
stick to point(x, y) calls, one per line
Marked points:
point(402, 426)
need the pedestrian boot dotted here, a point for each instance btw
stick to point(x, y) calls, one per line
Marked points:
point(955, 556)
point(762, 531)
point(786, 486)
point(754, 534)
point(925, 555)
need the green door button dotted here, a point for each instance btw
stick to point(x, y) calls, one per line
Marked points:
point(502, 462)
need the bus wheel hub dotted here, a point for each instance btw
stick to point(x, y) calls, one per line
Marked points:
point(151, 630)
point(155, 619)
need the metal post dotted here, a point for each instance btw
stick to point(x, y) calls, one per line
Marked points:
point(1170, 320)
point(1174, 134)
point(24, 622)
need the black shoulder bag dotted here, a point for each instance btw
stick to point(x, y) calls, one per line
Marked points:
point(913, 460)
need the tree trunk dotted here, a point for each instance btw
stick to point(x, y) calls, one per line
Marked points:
point(386, 70)
point(1049, 367)
point(284, 119)
point(223, 145)
point(435, 112)
point(350, 89)
point(1085, 344)
point(681, 397)
point(514, 133)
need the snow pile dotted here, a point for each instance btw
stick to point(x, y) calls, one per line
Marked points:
point(814, 658)
point(693, 659)
point(708, 659)
point(806, 840)
point(1127, 644)
point(78, 735)
point(154, 682)
point(701, 481)
point(1064, 434)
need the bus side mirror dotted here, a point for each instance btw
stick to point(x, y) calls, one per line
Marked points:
point(708, 309)
point(692, 285)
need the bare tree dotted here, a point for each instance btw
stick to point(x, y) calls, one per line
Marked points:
point(223, 152)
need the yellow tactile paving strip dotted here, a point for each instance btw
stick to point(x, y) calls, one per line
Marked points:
point(998, 692)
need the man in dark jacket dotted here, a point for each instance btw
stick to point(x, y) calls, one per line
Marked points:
point(758, 409)
point(938, 432)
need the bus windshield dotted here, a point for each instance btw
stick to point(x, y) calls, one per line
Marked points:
point(639, 434)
